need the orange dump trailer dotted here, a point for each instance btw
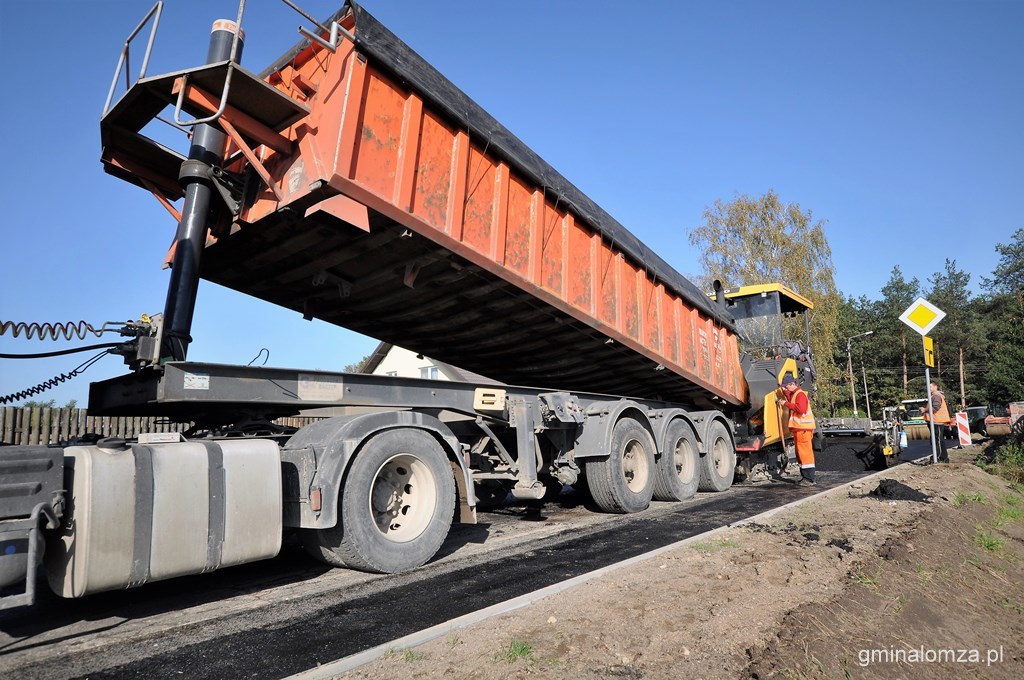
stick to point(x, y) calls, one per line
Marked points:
point(351, 182)
point(389, 203)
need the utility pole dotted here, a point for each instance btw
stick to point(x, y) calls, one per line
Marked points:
point(867, 401)
point(849, 368)
point(963, 388)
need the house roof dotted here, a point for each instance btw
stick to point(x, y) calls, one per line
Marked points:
point(458, 374)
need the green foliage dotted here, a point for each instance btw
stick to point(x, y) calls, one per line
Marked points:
point(1008, 276)
point(411, 655)
point(49, 403)
point(888, 358)
point(1011, 453)
point(954, 337)
point(755, 240)
point(980, 343)
point(1010, 461)
point(1002, 323)
point(357, 367)
point(888, 354)
point(715, 546)
point(407, 655)
point(517, 649)
point(989, 542)
point(869, 581)
point(1007, 603)
point(1006, 515)
point(1006, 356)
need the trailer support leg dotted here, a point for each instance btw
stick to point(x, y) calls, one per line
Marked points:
point(528, 487)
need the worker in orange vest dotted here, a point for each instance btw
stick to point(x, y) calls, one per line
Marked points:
point(940, 412)
point(801, 425)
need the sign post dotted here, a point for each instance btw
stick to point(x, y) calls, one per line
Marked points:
point(923, 316)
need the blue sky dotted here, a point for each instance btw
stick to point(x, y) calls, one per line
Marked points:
point(899, 123)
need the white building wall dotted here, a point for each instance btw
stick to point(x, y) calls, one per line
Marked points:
point(403, 363)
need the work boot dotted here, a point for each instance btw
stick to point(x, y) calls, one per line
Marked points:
point(804, 481)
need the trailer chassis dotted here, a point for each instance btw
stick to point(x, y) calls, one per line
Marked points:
point(392, 460)
point(527, 436)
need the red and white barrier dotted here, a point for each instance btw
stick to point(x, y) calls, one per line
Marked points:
point(963, 429)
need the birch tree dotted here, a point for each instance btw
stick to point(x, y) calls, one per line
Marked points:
point(753, 240)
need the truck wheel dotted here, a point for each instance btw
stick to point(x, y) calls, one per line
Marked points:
point(718, 465)
point(624, 480)
point(677, 477)
point(396, 506)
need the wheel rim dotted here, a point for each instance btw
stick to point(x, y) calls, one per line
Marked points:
point(685, 468)
point(721, 457)
point(635, 465)
point(403, 498)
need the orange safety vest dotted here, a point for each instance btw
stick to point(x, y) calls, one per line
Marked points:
point(804, 422)
point(942, 414)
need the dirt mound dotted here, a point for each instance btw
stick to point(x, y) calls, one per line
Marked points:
point(943, 600)
point(806, 593)
point(891, 490)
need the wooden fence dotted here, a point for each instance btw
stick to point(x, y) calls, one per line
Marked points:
point(39, 425)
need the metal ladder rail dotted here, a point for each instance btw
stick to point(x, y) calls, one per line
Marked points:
point(334, 30)
point(232, 60)
point(122, 62)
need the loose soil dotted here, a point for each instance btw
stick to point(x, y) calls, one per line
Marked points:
point(920, 574)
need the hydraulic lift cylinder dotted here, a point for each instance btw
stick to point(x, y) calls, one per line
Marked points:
point(198, 212)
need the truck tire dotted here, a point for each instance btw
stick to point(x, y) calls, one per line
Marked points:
point(718, 465)
point(677, 476)
point(395, 509)
point(623, 481)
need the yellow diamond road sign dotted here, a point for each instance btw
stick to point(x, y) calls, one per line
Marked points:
point(922, 316)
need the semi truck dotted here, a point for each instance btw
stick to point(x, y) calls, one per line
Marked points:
point(351, 182)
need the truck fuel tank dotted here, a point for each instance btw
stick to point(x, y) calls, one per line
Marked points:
point(138, 513)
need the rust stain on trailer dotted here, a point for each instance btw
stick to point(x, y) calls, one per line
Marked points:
point(607, 309)
point(552, 245)
point(630, 300)
point(376, 151)
point(653, 295)
point(517, 236)
point(580, 267)
point(482, 188)
point(433, 172)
